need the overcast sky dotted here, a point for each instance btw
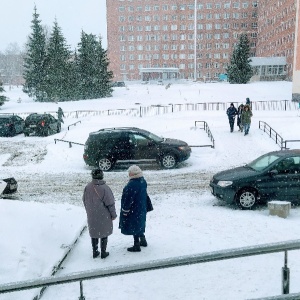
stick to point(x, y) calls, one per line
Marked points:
point(72, 16)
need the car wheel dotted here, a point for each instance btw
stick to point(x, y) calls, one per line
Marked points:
point(246, 199)
point(105, 164)
point(168, 161)
point(47, 132)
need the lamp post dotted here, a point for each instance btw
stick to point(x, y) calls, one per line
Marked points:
point(195, 41)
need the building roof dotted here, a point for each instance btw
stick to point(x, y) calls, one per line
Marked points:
point(268, 61)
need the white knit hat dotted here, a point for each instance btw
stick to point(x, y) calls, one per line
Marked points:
point(134, 171)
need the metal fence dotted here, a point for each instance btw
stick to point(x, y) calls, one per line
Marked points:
point(162, 264)
point(158, 109)
point(207, 130)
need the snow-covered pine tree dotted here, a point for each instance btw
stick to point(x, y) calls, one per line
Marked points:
point(239, 69)
point(34, 71)
point(2, 97)
point(92, 67)
point(57, 67)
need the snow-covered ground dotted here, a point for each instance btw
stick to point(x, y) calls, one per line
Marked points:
point(47, 216)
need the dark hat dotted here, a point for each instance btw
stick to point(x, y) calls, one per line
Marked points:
point(97, 174)
point(231, 104)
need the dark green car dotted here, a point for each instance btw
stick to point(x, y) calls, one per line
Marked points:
point(41, 125)
point(273, 176)
point(11, 125)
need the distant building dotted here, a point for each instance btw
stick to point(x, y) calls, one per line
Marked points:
point(162, 34)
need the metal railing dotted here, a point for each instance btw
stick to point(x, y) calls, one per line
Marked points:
point(271, 132)
point(70, 142)
point(275, 136)
point(74, 124)
point(162, 264)
point(207, 130)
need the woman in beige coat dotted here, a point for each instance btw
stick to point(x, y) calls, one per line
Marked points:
point(99, 203)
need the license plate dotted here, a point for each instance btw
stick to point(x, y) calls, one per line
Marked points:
point(32, 126)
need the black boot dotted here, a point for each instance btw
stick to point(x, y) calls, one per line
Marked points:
point(104, 254)
point(143, 241)
point(95, 247)
point(136, 247)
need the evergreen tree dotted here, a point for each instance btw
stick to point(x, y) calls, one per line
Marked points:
point(239, 69)
point(2, 97)
point(92, 66)
point(34, 72)
point(57, 67)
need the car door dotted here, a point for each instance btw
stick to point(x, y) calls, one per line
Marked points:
point(286, 180)
point(123, 149)
point(143, 147)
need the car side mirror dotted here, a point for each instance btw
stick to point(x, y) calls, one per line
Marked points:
point(273, 172)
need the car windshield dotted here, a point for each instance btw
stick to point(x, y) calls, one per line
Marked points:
point(262, 162)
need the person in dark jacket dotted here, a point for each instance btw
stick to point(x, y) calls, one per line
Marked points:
point(246, 118)
point(99, 203)
point(134, 208)
point(231, 113)
point(248, 102)
point(239, 115)
point(60, 115)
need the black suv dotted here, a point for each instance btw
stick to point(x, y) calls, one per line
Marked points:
point(273, 176)
point(108, 146)
point(11, 125)
point(41, 125)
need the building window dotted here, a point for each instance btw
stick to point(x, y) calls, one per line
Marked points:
point(227, 5)
point(226, 16)
point(191, 27)
point(121, 18)
point(122, 28)
point(217, 16)
point(131, 38)
point(174, 7)
point(182, 27)
point(139, 28)
point(130, 28)
point(131, 57)
point(147, 8)
point(122, 48)
point(123, 57)
point(122, 38)
point(165, 27)
point(121, 8)
point(165, 7)
point(218, 5)
point(218, 26)
point(208, 6)
point(139, 8)
point(123, 67)
point(254, 25)
point(245, 4)
point(139, 47)
point(131, 67)
point(182, 7)
point(173, 27)
point(156, 7)
point(148, 28)
point(208, 26)
point(139, 38)
point(236, 5)
point(182, 37)
point(200, 26)
point(235, 15)
point(130, 9)
point(131, 48)
point(217, 36)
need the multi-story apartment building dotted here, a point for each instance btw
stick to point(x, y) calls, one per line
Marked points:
point(172, 34)
point(276, 30)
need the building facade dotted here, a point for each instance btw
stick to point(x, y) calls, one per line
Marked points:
point(296, 73)
point(197, 37)
point(276, 31)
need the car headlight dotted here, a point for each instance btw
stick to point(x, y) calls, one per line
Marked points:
point(224, 183)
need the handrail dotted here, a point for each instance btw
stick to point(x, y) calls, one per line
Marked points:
point(74, 124)
point(277, 138)
point(155, 265)
point(70, 143)
point(272, 133)
point(206, 128)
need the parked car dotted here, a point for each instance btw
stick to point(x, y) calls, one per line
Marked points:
point(8, 186)
point(11, 125)
point(106, 147)
point(160, 82)
point(41, 125)
point(273, 176)
point(118, 84)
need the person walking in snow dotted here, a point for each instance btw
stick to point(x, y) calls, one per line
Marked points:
point(60, 115)
point(99, 203)
point(231, 113)
point(246, 118)
point(248, 102)
point(134, 208)
point(239, 114)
